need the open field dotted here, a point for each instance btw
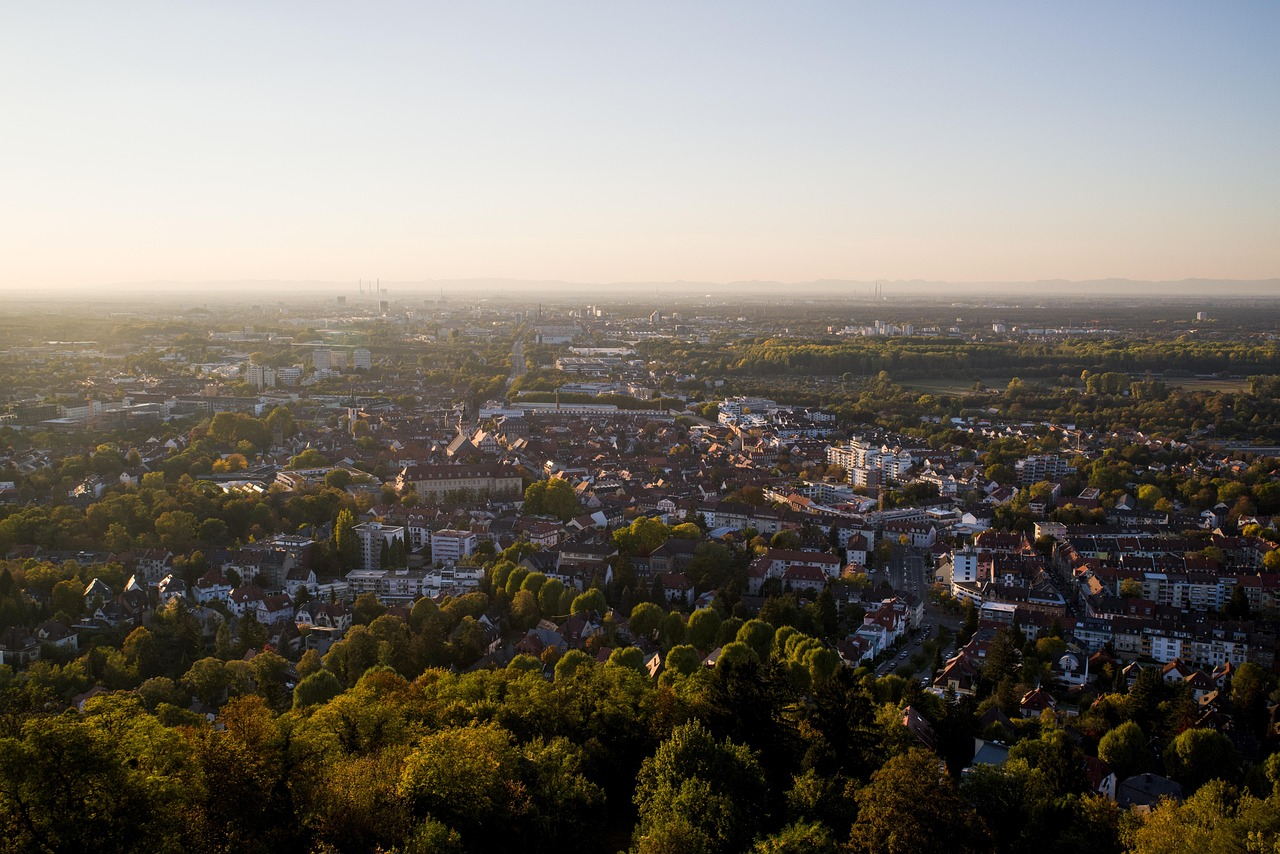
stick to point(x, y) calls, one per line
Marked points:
point(1232, 384)
point(954, 385)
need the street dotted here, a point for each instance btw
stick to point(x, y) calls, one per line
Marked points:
point(907, 573)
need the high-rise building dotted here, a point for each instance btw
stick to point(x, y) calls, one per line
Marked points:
point(322, 360)
point(372, 535)
point(261, 376)
point(361, 358)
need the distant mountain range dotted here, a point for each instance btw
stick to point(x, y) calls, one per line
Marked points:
point(267, 290)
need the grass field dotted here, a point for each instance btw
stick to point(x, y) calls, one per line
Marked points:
point(955, 386)
point(952, 385)
point(1208, 383)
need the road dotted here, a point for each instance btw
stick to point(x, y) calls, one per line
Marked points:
point(517, 365)
point(907, 573)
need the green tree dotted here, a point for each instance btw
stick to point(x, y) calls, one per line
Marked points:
point(1125, 750)
point(554, 497)
point(696, 793)
point(704, 625)
point(591, 600)
point(207, 680)
point(1197, 756)
point(646, 619)
point(346, 544)
point(316, 690)
point(642, 536)
point(68, 598)
point(628, 656)
point(683, 659)
point(69, 784)
point(366, 609)
point(800, 838)
point(570, 663)
point(758, 635)
point(176, 530)
point(906, 803)
point(549, 596)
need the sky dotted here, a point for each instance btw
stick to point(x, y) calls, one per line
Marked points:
point(637, 141)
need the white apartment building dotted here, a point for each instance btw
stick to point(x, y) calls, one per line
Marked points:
point(450, 546)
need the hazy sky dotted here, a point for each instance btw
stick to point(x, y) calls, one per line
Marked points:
point(612, 141)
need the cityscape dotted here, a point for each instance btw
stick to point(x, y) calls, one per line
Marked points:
point(1042, 558)
point(639, 428)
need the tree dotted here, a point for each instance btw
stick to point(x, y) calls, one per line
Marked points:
point(140, 653)
point(646, 619)
point(68, 598)
point(549, 596)
point(711, 566)
point(524, 610)
point(906, 803)
point(346, 544)
point(591, 600)
point(460, 776)
point(704, 625)
point(683, 659)
point(673, 629)
point(1197, 756)
point(1216, 818)
point(1125, 750)
point(308, 459)
point(569, 664)
point(696, 793)
point(642, 536)
point(67, 785)
point(686, 531)
point(176, 530)
point(366, 609)
point(554, 497)
point(758, 635)
point(785, 540)
point(317, 689)
point(799, 838)
point(628, 656)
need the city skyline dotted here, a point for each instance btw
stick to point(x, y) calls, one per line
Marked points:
point(717, 143)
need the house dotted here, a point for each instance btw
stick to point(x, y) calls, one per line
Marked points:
point(855, 649)
point(856, 551)
point(987, 752)
point(18, 647)
point(171, 587)
point(676, 586)
point(919, 726)
point(212, 586)
point(97, 591)
point(809, 578)
point(537, 640)
point(274, 610)
point(1035, 701)
point(1176, 671)
point(245, 599)
point(959, 675)
point(1147, 790)
point(57, 635)
point(1072, 668)
point(152, 565)
point(579, 627)
point(300, 578)
point(324, 615)
point(1100, 776)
